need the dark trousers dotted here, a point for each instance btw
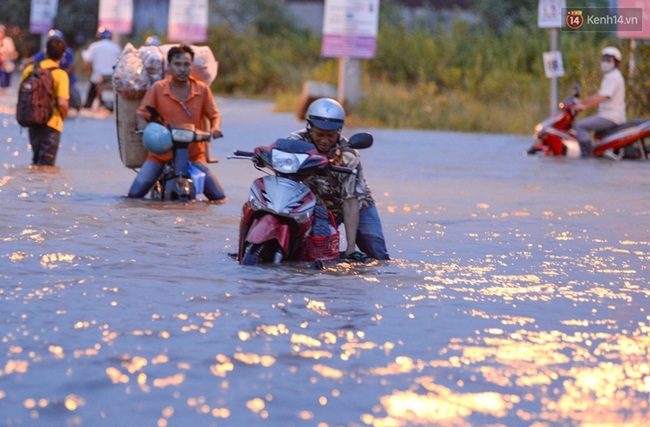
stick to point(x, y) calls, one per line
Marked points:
point(5, 79)
point(45, 144)
point(92, 94)
point(75, 98)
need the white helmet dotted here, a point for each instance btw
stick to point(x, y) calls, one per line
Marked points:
point(612, 51)
point(327, 114)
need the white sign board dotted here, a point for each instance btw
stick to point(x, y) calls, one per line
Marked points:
point(188, 21)
point(350, 28)
point(550, 13)
point(41, 16)
point(116, 15)
point(553, 66)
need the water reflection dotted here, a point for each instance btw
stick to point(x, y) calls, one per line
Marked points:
point(507, 302)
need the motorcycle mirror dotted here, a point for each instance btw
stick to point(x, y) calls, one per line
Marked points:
point(576, 90)
point(360, 140)
point(155, 115)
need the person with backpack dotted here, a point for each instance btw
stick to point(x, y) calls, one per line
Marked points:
point(43, 96)
point(67, 63)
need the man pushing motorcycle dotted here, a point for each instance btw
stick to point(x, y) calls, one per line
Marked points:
point(347, 196)
point(180, 99)
point(610, 100)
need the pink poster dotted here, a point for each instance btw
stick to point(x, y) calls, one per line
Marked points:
point(116, 15)
point(633, 19)
point(350, 28)
point(188, 21)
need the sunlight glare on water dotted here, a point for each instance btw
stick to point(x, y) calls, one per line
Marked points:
point(516, 293)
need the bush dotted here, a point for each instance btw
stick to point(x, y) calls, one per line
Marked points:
point(464, 77)
point(254, 63)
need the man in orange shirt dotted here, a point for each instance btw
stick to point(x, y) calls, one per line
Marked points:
point(180, 99)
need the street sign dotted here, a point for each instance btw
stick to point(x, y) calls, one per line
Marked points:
point(550, 13)
point(629, 32)
point(553, 66)
point(188, 21)
point(350, 28)
point(116, 15)
point(42, 14)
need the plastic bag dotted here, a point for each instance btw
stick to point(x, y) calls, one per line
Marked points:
point(130, 78)
point(138, 69)
point(153, 61)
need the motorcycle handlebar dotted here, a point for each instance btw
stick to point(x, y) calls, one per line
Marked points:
point(200, 136)
point(243, 153)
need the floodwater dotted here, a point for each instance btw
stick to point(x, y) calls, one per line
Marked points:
point(517, 293)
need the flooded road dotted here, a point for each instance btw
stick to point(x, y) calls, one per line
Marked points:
point(517, 294)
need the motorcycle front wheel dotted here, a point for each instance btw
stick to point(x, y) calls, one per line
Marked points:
point(157, 191)
point(259, 253)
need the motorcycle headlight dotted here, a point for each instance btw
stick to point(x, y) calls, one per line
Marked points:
point(182, 135)
point(302, 216)
point(287, 162)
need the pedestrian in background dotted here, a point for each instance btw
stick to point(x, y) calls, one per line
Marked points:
point(100, 57)
point(8, 55)
point(45, 139)
point(66, 63)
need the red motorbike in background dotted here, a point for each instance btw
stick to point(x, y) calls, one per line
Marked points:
point(555, 135)
point(106, 93)
point(281, 220)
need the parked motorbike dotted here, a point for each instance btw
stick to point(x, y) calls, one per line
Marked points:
point(179, 180)
point(281, 221)
point(555, 136)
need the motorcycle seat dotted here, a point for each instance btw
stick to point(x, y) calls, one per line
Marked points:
point(630, 124)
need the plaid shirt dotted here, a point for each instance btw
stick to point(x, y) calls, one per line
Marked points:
point(333, 188)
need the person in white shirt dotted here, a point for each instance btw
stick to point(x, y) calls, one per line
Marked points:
point(610, 100)
point(101, 56)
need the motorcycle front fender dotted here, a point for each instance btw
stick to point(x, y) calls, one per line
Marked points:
point(176, 189)
point(270, 227)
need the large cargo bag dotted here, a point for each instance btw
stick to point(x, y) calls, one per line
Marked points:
point(132, 151)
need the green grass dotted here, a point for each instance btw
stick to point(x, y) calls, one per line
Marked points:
point(464, 78)
point(389, 105)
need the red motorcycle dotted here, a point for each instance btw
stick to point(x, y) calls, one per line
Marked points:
point(281, 221)
point(555, 135)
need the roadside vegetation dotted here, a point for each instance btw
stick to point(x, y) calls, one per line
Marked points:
point(484, 76)
point(461, 76)
point(479, 75)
